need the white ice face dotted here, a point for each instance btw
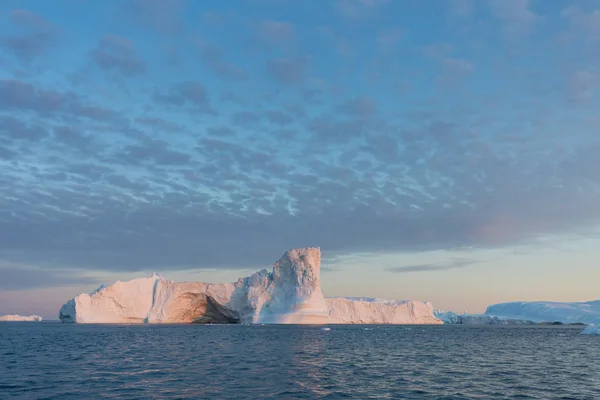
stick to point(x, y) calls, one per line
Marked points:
point(290, 294)
point(378, 311)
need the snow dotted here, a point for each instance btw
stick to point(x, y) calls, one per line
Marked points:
point(344, 310)
point(547, 311)
point(591, 330)
point(289, 294)
point(20, 318)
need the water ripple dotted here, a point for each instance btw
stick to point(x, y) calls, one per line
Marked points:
point(56, 361)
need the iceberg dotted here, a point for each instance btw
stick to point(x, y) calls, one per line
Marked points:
point(20, 318)
point(591, 329)
point(450, 317)
point(289, 294)
point(547, 311)
point(344, 310)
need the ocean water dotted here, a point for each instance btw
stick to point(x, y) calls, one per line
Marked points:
point(61, 361)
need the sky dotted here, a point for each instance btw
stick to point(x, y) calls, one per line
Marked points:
point(444, 151)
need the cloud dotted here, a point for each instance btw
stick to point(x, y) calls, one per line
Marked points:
point(516, 15)
point(221, 131)
point(15, 94)
point(213, 59)
point(361, 107)
point(433, 267)
point(278, 117)
point(246, 118)
point(118, 53)
point(7, 154)
point(277, 32)
point(303, 151)
point(159, 124)
point(358, 9)
point(288, 70)
point(39, 34)
point(74, 139)
point(164, 16)
point(22, 277)
point(185, 93)
point(15, 129)
point(437, 50)
point(581, 85)
point(457, 65)
point(462, 7)
point(153, 151)
point(390, 37)
point(586, 24)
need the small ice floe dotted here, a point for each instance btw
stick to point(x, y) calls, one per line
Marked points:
point(325, 329)
point(591, 330)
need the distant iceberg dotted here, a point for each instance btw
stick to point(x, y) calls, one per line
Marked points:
point(591, 330)
point(548, 311)
point(290, 294)
point(450, 317)
point(20, 318)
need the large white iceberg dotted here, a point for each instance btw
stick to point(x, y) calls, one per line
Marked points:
point(290, 294)
point(547, 311)
point(20, 318)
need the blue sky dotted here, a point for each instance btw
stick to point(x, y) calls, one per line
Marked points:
point(443, 151)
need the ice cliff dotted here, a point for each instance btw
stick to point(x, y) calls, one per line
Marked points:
point(20, 318)
point(546, 311)
point(290, 294)
point(344, 310)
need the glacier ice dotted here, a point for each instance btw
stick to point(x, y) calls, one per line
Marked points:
point(548, 311)
point(20, 318)
point(290, 294)
point(450, 317)
point(343, 310)
point(591, 329)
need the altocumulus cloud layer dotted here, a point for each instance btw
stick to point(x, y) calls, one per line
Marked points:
point(174, 134)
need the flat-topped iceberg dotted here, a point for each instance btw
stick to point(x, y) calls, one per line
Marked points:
point(290, 294)
point(20, 318)
point(344, 310)
point(548, 311)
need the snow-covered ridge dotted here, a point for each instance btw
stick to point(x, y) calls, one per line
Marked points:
point(290, 294)
point(20, 318)
point(548, 311)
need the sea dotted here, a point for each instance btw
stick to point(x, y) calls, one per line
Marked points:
point(67, 361)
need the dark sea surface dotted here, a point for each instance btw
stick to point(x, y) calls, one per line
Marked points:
point(62, 361)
